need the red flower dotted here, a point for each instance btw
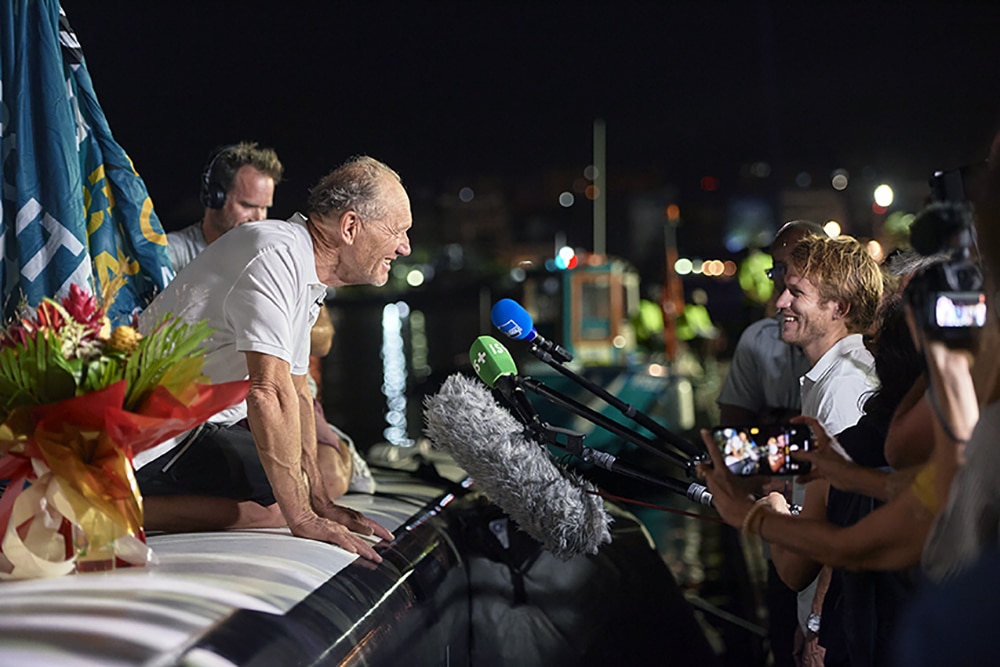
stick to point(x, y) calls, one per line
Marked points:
point(82, 306)
point(49, 316)
point(16, 335)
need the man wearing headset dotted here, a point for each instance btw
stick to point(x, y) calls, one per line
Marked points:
point(237, 186)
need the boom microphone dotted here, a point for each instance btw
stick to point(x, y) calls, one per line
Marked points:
point(556, 508)
point(514, 321)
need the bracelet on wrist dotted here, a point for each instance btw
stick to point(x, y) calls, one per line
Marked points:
point(753, 519)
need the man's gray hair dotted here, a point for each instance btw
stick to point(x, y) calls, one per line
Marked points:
point(353, 186)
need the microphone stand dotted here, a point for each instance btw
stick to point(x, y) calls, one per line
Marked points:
point(629, 411)
point(572, 442)
point(597, 418)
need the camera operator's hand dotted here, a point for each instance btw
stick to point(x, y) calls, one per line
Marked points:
point(956, 409)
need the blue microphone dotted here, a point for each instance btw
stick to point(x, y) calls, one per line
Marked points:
point(514, 321)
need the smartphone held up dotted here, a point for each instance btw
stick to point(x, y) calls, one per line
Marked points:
point(763, 450)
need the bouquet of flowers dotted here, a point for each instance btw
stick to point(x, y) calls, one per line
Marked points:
point(77, 402)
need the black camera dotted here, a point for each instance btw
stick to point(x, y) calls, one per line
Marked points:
point(947, 296)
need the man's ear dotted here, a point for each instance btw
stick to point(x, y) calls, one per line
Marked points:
point(350, 226)
point(841, 308)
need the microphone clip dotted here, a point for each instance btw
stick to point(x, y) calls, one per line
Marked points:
point(563, 438)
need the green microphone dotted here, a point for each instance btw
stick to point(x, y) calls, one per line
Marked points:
point(493, 364)
point(491, 360)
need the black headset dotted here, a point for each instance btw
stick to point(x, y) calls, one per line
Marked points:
point(213, 195)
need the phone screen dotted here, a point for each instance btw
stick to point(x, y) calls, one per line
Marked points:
point(960, 309)
point(763, 450)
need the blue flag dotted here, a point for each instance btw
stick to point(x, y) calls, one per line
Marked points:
point(72, 207)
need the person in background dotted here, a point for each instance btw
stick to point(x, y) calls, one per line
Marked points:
point(343, 468)
point(237, 186)
point(833, 289)
point(762, 387)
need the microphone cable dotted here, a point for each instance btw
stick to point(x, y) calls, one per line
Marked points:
point(631, 501)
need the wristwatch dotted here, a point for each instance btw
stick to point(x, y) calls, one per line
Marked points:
point(812, 623)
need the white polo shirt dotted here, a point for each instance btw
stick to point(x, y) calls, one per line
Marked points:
point(257, 288)
point(836, 387)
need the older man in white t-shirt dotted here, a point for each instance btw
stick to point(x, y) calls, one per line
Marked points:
point(259, 287)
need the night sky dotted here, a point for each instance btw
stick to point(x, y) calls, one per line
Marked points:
point(453, 93)
point(502, 97)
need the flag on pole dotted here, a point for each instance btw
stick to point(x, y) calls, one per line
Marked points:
point(72, 207)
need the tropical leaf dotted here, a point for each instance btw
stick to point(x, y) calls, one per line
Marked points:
point(102, 372)
point(170, 343)
point(51, 374)
point(36, 373)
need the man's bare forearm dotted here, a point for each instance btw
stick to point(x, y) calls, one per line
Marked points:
point(274, 416)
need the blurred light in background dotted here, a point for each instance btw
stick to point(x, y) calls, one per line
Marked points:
point(415, 278)
point(591, 172)
point(883, 195)
point(709, 183)
point(832, 228)
point(898, 223)
point(713, 267)
point(752, 276)
point(566, 199)
point(592, 192)
point(456, 256)
point(673, 212)
point(394, 373)
point(566, 259)
point(683, 266)
point(466, 195)
point(418, 345)
point(839, 179)
point(803, 179)
point(657, 370)
point(875, 250)
point(760, 169)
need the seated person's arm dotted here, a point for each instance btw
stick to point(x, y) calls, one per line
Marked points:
point(310, 457)
point(336, 464)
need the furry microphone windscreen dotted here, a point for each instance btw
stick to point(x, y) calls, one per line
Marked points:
point(556, 508)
